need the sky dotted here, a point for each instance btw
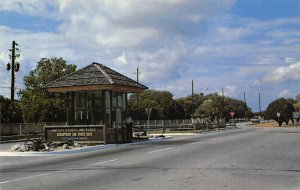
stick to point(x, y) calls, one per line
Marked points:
point(242, 46)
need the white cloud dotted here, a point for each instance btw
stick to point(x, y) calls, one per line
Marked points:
point(163, 63)
point(4, 57)
point(230, 91)
point(45, 8)
point(173, 42)
point(290, 60)
point(284, 73)
point(122, 59)
point(284, 93)
point(255, 83)
point(126, 24)
point(230, 34)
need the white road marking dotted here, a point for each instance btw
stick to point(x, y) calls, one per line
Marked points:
point(44, 174)
point(104, 162)
point(197, 142)
point(217, 139)
point(159, 150)
point(28, 177)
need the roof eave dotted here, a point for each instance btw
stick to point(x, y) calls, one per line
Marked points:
point(114, 87)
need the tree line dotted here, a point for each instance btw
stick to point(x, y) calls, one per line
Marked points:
point(164, 106)
point(38, 105)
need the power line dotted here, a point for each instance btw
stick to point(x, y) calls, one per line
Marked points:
point(10, 87)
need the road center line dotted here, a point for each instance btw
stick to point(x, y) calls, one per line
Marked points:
point(159, 150)
point(198, 142)
point(217, 139)
point(104, 162)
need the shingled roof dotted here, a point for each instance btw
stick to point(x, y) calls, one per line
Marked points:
point(95, 77)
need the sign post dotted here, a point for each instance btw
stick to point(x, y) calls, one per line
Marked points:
point(148, 111)
point(278, 116)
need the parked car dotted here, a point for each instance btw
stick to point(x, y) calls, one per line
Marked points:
point(255, 119)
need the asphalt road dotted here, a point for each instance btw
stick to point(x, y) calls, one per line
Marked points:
point(247, 158)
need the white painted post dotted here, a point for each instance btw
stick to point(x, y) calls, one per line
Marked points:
point(278, 116)
point(148, 111)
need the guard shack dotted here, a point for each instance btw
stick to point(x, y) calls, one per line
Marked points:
point(97, 105)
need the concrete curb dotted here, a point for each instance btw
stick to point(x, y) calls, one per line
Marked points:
point(82, 149)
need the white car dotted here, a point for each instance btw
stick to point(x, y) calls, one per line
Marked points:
point(255, 119)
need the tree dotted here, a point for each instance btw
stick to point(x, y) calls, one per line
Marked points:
point(10, 112)
point(162, 104)
point(297, 103)
point(282, 106)
point(187, 106)
point(216, 106)
point(37, 104)
point(190, 104)
point(239, 107)
point(207, 108)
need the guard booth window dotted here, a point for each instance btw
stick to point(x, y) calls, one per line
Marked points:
point(88, 108)
point(118, 109)
point(80, 108)
point(107, 109)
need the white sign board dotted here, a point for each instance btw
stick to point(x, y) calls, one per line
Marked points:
point(296, 115)
point(148, 111)
point(278, 114)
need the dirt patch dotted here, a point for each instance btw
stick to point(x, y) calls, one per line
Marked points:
point(275, 124)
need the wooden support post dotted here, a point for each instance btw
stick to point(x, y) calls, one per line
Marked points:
point(104, 134)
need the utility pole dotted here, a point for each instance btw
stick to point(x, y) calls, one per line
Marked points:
point(14, 67)
point(245, 98)
point(223, 104)
point(192, 87)
point(259, 105)
point(137, 80)
point(137, 74)
point(193, 110)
